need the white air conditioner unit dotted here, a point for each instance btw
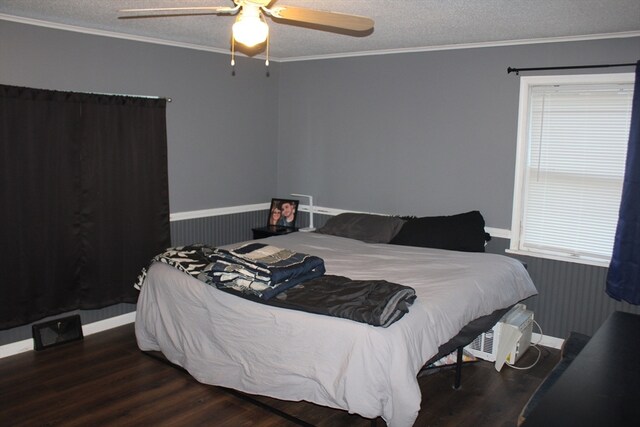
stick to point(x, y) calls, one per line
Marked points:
point(508, 340)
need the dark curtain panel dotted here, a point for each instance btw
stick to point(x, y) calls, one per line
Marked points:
point(84, 195)
point(623, 278)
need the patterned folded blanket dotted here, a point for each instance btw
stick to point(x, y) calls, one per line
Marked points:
point(190, 259)
point(254, 268)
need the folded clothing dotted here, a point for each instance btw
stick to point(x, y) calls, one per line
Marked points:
point(260, 269)
point(375, 302)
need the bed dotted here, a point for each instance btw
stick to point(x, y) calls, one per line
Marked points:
point(224, 340)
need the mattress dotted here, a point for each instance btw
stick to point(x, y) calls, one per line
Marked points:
point(224, 340)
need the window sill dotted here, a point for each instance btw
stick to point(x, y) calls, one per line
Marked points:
point(556, 257)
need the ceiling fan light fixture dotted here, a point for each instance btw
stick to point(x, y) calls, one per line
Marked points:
point(249, 28)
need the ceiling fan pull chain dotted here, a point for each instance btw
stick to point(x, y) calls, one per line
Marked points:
point(266, 63)
point(233, 56)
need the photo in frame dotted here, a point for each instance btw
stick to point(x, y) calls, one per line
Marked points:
point(283, 213)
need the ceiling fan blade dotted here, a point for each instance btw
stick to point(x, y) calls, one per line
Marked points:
point(161, 12)
point(321, 17)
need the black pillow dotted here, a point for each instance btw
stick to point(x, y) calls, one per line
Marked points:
point(366, 227)
point(462, 232)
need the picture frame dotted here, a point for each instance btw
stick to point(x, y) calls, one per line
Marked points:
point(283, 213)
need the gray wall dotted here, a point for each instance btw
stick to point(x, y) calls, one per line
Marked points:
point(418, 133)
point(216, 124)
point(434, 133)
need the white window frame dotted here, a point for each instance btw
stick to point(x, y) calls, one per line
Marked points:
point(526, 82)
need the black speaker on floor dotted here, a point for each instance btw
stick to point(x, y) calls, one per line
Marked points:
point(56, 332)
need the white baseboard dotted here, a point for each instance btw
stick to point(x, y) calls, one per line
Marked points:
point(16, 348)
point(112, 322)
point(88, 329)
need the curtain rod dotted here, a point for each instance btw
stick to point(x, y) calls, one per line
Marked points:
point(126, 94)
point(571, 67)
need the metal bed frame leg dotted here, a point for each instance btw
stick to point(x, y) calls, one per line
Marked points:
point(456, 384)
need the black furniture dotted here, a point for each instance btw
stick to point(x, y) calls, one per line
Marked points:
point(271, 230)
point(571, 347)
point(601, 387)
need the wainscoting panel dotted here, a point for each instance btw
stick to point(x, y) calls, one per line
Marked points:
point(217, 230)
point(571, 297)
point(227, 229)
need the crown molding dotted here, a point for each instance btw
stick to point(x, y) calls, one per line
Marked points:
point(113, 34)
point(501, 43)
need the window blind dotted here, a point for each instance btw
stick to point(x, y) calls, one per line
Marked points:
point(577, 142)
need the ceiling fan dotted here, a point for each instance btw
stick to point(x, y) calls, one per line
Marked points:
point(251, 29)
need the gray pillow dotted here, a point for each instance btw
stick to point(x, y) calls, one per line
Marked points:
point(366, 227)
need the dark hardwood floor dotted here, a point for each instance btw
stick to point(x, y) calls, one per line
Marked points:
point(105, 380)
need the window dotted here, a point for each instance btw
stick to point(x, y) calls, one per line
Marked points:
point(573, 133)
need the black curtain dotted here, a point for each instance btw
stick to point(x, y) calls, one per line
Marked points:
point(84, 194)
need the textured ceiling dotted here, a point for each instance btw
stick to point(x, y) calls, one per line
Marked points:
point(399, 24)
